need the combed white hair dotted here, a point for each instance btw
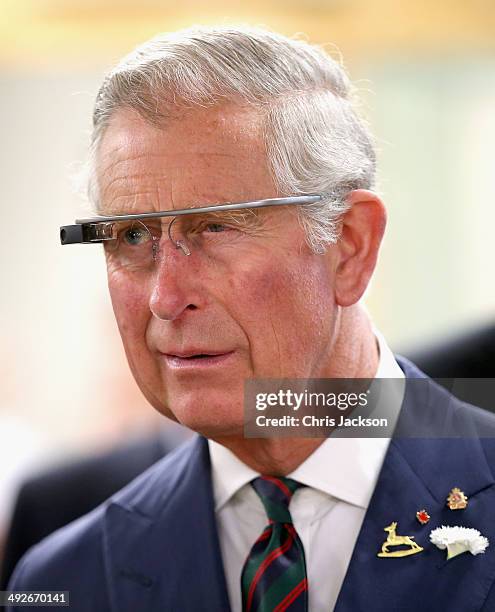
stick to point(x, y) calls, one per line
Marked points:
point(315, 141)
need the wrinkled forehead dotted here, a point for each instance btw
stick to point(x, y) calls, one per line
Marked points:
point(207, 155)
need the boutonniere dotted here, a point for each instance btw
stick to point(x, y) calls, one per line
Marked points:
point(458, 540)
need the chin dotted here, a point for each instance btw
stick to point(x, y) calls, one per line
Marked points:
point(208, 417)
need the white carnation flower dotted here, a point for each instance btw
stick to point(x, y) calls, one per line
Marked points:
point(458, 540)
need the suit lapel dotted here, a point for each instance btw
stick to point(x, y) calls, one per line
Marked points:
point(161, 547)
point(416, 474)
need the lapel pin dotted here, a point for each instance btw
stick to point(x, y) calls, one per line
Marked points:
point(456, 499)
point(422, 516)
point(458, 540)
point(395, 540)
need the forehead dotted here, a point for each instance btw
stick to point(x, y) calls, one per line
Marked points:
point(204, 156)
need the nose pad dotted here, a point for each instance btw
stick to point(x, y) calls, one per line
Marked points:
point(179, 244)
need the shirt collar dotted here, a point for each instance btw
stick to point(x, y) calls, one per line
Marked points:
point(387, 365)
point(345, 468)
point(229, 474)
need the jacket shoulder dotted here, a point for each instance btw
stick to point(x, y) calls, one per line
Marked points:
point(73, 558)
point(436, 413)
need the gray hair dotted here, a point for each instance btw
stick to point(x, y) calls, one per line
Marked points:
point(315, 141)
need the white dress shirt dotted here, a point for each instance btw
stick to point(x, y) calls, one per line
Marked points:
point(340, 476)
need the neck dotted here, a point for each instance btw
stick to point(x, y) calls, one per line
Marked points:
point(353, 354)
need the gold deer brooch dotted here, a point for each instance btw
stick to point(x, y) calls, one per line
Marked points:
point(398, 540)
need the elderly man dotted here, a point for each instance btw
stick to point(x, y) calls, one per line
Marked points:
point(233, 182)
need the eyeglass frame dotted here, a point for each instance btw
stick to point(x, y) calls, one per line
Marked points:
point(99, 229)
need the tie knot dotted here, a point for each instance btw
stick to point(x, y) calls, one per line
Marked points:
point(275, 495)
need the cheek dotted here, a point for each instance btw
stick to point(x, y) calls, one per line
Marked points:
point(288, 311)
point(130, 305)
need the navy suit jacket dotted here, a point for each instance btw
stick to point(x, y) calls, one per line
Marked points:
point(154, 546)
point(61, 494)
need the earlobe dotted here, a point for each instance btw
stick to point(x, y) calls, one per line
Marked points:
point(362, 231)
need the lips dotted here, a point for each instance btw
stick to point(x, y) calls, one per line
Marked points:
point(196, 359)
point(194, 354)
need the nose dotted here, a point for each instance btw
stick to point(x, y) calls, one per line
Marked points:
point(175, 283)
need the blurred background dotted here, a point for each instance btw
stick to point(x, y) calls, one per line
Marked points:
point(426, 74)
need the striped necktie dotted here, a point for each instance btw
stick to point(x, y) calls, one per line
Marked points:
point(274, 575)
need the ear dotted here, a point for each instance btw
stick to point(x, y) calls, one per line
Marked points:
point(363, 226)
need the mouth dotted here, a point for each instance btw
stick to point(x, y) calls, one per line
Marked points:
point(196, 360)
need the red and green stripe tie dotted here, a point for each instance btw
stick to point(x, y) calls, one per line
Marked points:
point(274, 575)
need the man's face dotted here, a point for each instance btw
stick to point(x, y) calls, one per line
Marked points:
point(263, 305)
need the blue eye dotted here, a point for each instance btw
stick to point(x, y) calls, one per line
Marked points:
point(134, 236)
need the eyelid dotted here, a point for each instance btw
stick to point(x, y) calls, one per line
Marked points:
point(205, 223)
point(124, 226)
